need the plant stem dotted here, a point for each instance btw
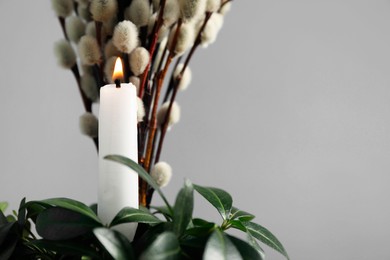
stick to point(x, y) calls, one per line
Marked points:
point(152, 47)
point(176, 85)
point(153, 122)
point(86, 101)
point(62, 23)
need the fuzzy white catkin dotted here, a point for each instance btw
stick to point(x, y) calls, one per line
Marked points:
point(89, 50)
point(83, 3)
point(110, 50)
point(186, 77)
point(140, 110)
point(185, 38)
point(109, 69)
point(156, 5)
point(211, 30)
point(89, 87)
point(135, 81)
point(66, 57)
point(213, 5)
point(191, 9)
point(161, 173)
point(103, 10)
point(75, 28)
point(171, 12)
point(174, 117)
point(89, 125)
point(163, 30)
point(139, 59)
point(125, 36)
point(90, 29)
point(160, 51)
point(138, 12)
point(225, 8)
point(84, 13)
point(62, 8)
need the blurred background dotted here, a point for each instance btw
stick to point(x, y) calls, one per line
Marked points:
point(288, 111)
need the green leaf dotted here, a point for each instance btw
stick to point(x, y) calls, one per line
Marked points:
point(64, 247)
point(201, 228)
point(127, 215)
point(4, 231)
point(8, 249)
point(165, 247)
point(3, 218)
point(164, 210)
point(3, 206)
point(114, 243)
point(141, 172)
point(240, 215)
point(265, 236)
point(60, 223)
point(184, 207)
point(253, 242)
point(220, 199)
point(246, 250)
point(237, 224)
point(22, 213)
point(66, 203)
point(94, 208)
point(219, 247)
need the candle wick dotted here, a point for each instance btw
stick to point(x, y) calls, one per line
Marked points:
point(117, 83)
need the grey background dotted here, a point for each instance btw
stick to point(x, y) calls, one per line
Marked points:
point(288, 111)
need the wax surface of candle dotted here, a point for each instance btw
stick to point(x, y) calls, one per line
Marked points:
point(118, 184)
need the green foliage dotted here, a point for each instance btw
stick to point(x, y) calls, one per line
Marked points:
point(3, 206)
point(72, 230)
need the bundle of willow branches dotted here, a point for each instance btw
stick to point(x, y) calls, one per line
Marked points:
point(151, 36)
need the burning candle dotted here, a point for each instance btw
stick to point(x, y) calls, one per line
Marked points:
point(118, 184)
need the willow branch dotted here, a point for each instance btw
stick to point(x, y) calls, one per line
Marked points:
point(176, 86)
point(152, 46)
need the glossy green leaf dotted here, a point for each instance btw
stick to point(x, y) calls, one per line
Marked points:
point(183, 209)
point(237, 224)
point(220, 199)
point(94, 208)
point(253, 242)
point(141, 172)
point(114, 243)
point(201, 227)
point(265, 236)
point(150, 235)
point(246, 250)
point(8, 248)
point(219, 247)
point(64, 247)
point(164, 247)
point(69, 204)
point(5, 229)
point(128, 215)
point(22, 213)
point(60, 223)
point(164, 210)
point(3, 218)
point(240, 215)
point(3, 206)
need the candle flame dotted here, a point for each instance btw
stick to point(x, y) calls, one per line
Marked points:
point(118, 70)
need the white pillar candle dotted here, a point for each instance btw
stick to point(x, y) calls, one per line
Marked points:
point(118, 184)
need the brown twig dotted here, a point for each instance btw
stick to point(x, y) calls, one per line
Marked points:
point(176, 85)
point(86, 101)
point(171, 81)
point(62, 23)
point(153, 122)
point(152, 46)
